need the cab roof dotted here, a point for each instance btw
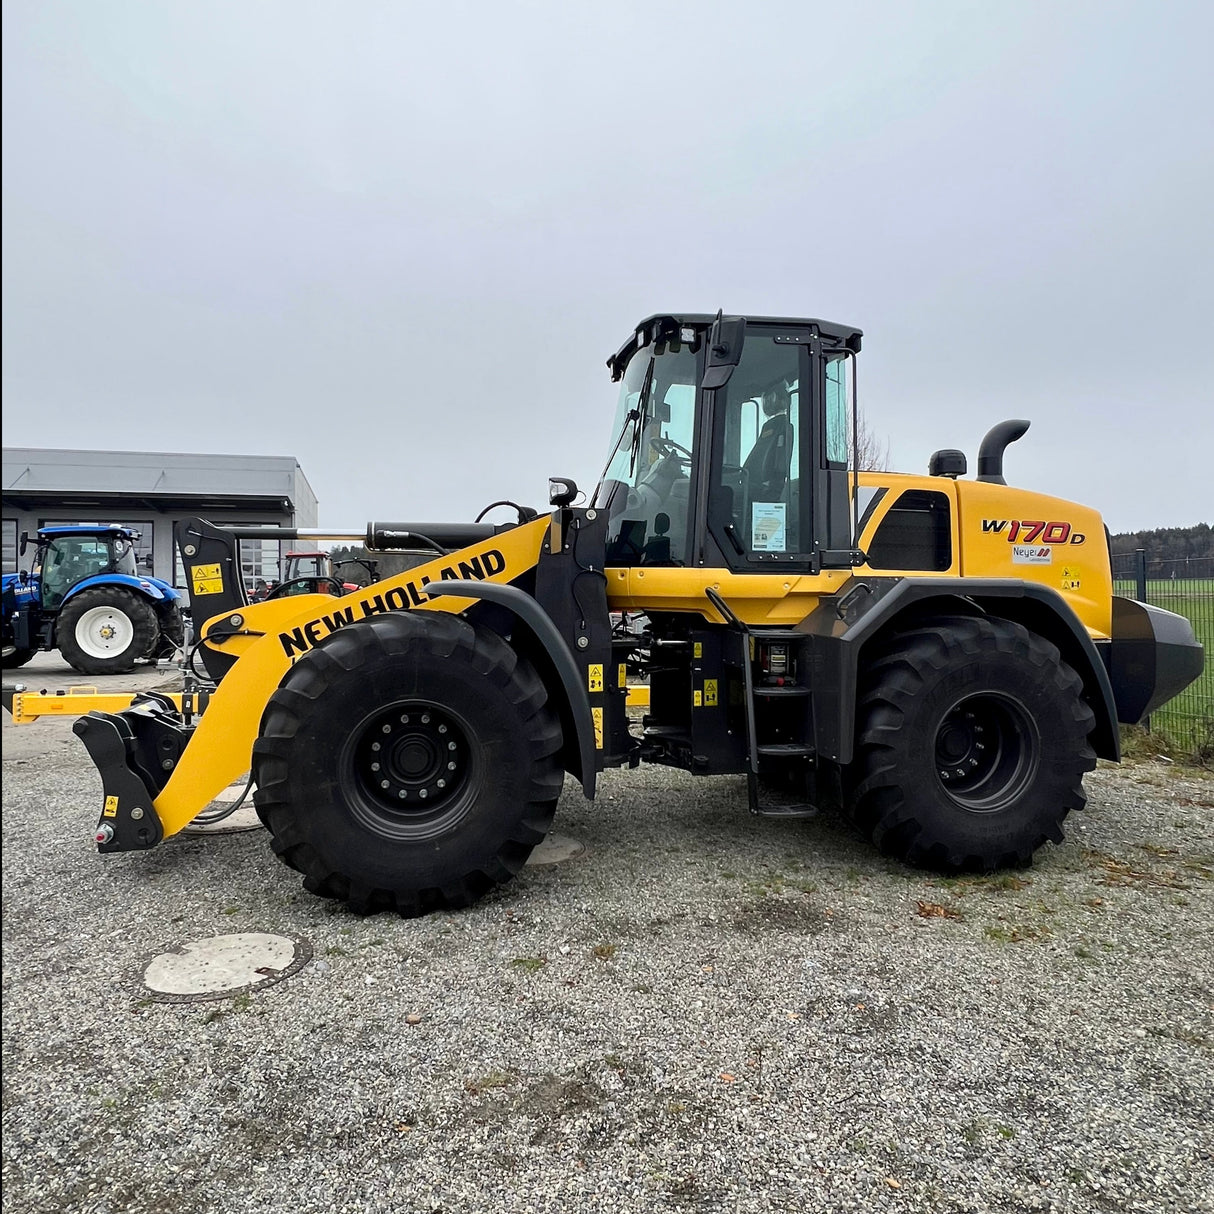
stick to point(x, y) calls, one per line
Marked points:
point(833, 334)
point(97, 530)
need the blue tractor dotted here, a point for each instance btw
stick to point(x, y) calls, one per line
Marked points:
point(84, 595)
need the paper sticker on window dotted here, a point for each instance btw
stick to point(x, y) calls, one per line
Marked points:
point(768, 526)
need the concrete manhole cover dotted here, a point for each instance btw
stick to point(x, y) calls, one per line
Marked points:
point(222, 966)
point(244, 818)
point(555, 849)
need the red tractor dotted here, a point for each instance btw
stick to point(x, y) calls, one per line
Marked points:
point(304, 573)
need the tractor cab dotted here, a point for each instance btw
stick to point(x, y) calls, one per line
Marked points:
point(66, 556)
point(730, 445)
point(307, 573)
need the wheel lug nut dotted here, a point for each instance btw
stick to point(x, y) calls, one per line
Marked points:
point(387, 729)
point(425, 718)
point(450, 766)
point(450, 745)
point(973, 762)
point(979, 745)
point(375, 746)
point(944, 775)
point(402, 794)
point(442, 729)
point(384, 784)
point(442, 783)
point(375, 767)
point(404, 719)
point(422, 793)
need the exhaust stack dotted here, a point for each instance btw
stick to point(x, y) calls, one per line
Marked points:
point(990, 454)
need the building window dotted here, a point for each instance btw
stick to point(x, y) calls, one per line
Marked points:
point(10, 545)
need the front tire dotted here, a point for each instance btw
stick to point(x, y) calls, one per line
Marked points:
point(972, 745)
point(408, 763)
point(172, 632)
point(106, 630)
point(14, 657)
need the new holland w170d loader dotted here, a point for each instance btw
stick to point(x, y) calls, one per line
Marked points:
point(943, 654)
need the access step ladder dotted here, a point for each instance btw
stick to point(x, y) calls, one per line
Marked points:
point(777, 717)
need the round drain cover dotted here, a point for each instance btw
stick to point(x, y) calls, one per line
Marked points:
point(244, 818)
point(556, 849)
point(221, 966)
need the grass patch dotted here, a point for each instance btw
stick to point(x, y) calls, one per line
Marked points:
point(529, 964)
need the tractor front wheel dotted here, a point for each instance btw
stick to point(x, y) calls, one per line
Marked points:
point(972, 745)
point(172, 631)
point(14, 657)
point(105, 630)
point(409, 763)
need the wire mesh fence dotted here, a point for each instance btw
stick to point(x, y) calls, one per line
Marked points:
point(1184, 585)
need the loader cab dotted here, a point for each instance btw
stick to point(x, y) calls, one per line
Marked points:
point(730, 444)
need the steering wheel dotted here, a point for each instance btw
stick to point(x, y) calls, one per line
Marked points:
point(668, 448)
point(280, 589)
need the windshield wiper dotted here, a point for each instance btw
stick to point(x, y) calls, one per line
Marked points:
point(642, 402)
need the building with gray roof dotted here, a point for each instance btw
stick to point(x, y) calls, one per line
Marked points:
point(151, 490)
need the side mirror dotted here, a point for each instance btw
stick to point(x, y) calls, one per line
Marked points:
point(147, 562)
point(725, 341)
point(25, 540)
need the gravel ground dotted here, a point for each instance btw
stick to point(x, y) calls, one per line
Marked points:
point(705, 1011)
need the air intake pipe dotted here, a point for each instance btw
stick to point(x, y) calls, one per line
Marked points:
point(990, 454)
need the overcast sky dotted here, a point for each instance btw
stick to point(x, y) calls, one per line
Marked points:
point(398, 240)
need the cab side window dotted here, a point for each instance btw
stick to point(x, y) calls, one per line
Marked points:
point(760, 473)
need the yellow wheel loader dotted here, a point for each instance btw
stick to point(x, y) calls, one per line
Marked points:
point(942, 656)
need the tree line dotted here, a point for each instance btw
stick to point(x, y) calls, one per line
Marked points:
point(1168, 543)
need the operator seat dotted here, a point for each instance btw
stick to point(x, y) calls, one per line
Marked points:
point(769, 461)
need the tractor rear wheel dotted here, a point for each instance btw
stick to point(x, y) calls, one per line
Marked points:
point(409, 763)
point(105, 630)
point(972, 745)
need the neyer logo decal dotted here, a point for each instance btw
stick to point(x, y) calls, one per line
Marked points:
point(396, 598)
point(1027, 531)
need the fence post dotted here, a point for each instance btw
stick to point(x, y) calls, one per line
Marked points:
point(1140, 573)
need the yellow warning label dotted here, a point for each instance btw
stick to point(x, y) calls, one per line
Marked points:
point(595, 679)
point(623, 674)
point(699, 649)
point(111, 807)
point(207, 579)
point(710, 693)
point(1070, 577)
point(697, 699)
point(597, 713)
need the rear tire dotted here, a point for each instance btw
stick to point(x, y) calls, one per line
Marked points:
point(972, 745)
point(105, 630)
point(408, 763)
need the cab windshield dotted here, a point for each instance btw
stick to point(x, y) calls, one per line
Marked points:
point(645, 488)
point(69, 559)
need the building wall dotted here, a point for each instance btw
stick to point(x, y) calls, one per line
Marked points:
point(152, 491)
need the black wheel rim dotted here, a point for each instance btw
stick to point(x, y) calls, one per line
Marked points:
point(986, 752)
point(412, 769)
